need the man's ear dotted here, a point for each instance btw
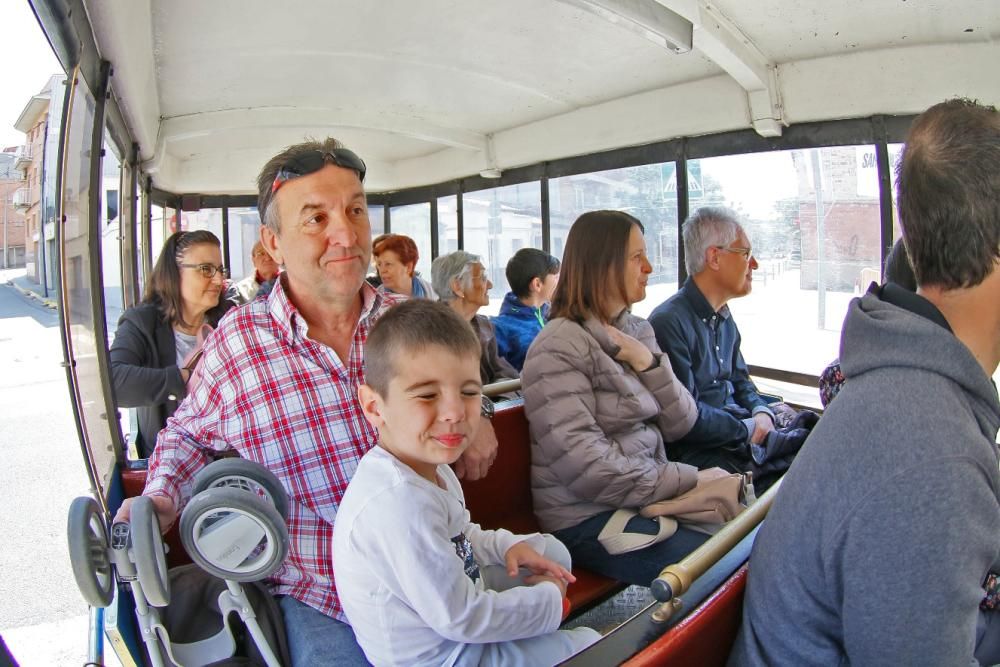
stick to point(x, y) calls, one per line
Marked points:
point(371, 405)
point(712, 258)
point(269, 240)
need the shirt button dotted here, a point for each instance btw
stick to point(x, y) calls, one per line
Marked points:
point(716, 347)
point(171, 397)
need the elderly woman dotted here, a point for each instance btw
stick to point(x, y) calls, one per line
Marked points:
point(395, 260)
point(157, 343)
point(601, 398)
point(460, 281)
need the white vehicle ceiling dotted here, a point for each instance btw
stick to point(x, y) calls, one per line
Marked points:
point(434, 90)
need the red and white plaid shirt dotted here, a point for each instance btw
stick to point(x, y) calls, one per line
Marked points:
point(287, 402)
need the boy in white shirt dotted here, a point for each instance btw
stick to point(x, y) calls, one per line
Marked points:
point(420, 583)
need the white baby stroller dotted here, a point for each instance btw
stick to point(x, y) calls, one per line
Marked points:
point(233, 529)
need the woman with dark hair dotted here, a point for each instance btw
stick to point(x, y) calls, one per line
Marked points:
point(158, 342)
point(396, 260)
point(601, 398)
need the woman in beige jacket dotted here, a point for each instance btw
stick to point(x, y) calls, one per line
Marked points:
point(601, 398)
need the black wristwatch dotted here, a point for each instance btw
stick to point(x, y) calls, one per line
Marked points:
point(487, 407)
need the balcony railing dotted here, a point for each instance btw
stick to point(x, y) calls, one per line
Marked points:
point(22, 198)
point(22, 159)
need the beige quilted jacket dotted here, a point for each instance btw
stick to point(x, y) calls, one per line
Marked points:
point(598, 427)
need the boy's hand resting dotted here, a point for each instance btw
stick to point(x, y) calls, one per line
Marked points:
point(533, 579)
point(522, 555)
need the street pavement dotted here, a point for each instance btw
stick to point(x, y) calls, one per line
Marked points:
point(43, 618)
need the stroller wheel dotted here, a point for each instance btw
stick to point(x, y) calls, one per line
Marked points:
point(246, 475)
point(88, 551)
point(147, 549)
point(234, 534)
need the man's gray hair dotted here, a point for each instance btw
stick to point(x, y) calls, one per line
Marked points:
point(454, 265)
point(708, 226)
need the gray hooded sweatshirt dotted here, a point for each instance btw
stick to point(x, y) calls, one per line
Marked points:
point(884, 529)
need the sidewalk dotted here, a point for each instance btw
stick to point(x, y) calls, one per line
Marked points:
point(18, 279)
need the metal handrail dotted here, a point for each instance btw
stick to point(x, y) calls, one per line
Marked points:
point(502, 387)
point(676, 579)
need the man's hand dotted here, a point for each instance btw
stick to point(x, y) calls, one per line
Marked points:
point(523, 555)
point(482, 451)
point(764, 425)
point(632, 352)
point(166, 513)
point(709, 474)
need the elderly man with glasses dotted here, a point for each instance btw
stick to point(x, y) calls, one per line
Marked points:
point(697, 331)
point(279, 381)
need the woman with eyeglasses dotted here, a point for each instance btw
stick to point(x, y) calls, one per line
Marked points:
point(158, 342)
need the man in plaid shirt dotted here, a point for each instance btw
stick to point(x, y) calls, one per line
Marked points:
point(278, 384)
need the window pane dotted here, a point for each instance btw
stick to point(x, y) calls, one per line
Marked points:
point(376, 216)
point(447, 224)
point(207, 218)
point(109, 222)
point(810, 266)
point(244, 230)
point(414, 220)
point(498, 222)
point(895, 151)
point(649, 192)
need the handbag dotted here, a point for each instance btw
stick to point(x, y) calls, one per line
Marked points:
point(707, 507)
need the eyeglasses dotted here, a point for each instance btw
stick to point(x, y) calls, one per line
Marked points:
point(745, 252)
point(302, 165)
point(207, 270)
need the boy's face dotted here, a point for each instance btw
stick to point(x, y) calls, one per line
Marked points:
point(431, 411)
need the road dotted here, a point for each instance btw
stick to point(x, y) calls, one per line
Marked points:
point(43, 619)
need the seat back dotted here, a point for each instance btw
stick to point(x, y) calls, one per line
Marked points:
point(705, 636)
point(502, 499)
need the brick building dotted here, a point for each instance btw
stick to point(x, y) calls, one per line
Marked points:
point(12, 184)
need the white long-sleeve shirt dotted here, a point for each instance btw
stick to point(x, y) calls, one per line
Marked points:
point(405, 574)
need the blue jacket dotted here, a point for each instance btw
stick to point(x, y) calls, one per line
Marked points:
point(516, 327)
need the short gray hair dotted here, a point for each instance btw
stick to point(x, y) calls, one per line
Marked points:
point(455, 265)
point(708, 226)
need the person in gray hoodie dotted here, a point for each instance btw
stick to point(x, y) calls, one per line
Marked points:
point(888, 523)
point(601, 398)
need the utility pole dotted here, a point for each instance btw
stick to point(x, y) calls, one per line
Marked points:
point(6, 198)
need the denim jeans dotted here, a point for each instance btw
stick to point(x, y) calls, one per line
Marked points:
point(636, 567)
point(318, 640)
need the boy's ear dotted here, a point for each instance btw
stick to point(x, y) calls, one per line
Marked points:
point(535, 285)
point(371, 405)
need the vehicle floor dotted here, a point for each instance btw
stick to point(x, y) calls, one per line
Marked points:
point(614, 611)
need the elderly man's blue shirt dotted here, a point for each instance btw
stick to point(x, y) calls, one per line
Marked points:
point(704, 350)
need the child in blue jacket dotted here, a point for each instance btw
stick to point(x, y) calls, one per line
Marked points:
point(532, 275)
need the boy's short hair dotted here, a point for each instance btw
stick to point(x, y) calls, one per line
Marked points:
point(410, 327)
point(526, 265)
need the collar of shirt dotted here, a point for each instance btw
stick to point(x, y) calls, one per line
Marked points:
point(702, 308)
point(294, 326)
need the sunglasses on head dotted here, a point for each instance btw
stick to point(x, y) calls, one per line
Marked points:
point(313, 161)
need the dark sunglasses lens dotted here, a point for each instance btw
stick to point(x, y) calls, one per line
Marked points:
point(346, 158)
point(304, 164)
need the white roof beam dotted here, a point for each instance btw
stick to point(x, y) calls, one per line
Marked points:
point(722, 41)
point(646, 18)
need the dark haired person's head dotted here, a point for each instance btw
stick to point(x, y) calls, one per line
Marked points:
point(315, 222)
point(396, 258)
point(410, 328)
point(948, 186)
point(531, 271)
point(186, 281)
point(604, 267)
point(897, 267)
